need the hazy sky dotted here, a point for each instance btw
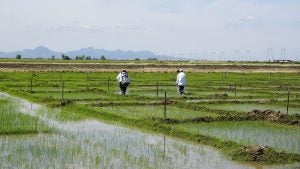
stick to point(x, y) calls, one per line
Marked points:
point(198, 28)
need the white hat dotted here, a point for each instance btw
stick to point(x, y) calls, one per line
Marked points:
point(180, 70)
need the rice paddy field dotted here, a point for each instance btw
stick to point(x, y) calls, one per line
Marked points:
point(79, 120)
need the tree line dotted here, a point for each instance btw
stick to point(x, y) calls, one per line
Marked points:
point(65, 57)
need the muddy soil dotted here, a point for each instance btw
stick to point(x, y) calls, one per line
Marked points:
point(274, 116)
point(254, 153)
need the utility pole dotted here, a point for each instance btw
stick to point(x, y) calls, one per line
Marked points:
point(270, 54)
point(221, 55)
point(236, 54)
point(283, 53)
point(248, 55)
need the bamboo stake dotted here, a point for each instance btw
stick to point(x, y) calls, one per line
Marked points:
point(87, 80)
point(108, 84)
point(241, 83)
point(60, 77)
point(62, 92)
point(288, 102)
point(235, 91)
point(164, 146)
point(165, 108)
point(157, 90)
point(31, 79)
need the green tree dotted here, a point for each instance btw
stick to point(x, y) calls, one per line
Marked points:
point(65, 57)
point(18, 56)
point(102, 57)
point(80, 57)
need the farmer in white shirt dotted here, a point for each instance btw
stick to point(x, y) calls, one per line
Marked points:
point(123, 81)
point(181, 81)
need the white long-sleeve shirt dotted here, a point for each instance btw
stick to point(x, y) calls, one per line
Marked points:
point(181, 81)
point(118, 78)
point(122, 77)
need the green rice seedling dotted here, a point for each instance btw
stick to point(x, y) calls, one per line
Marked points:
point(15, 122)
point(281, 137)
point(91, 144)
point(249, 107)
point(208, 95)
point(144, 112)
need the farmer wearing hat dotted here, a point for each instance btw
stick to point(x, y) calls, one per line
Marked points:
point(123, 81)
point(180, 81)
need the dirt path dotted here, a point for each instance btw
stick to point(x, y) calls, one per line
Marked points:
point(147, 67)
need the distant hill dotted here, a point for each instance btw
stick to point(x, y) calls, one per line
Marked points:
point(44, 52)
point(115, 54)
point(38, 52)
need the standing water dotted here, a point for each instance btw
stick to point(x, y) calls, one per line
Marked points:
point(92, 144)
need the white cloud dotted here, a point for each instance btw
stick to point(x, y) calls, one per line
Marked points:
point(248, 19)
point(245, 21)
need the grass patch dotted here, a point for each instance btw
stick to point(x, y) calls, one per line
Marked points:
point(15, 122)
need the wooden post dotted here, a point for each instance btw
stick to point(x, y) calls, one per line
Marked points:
point(62, 92)
point(165, 108)
point(108, 84)
point(60, 76)
point(87, 80)
point(164, 146)
point(31, 84)
point(157, 90)
point(288, 102)
point(31, 79)
point(241, 83)
point(235, 91)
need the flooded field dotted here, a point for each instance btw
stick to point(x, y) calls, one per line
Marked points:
point(76, 120)
point(155, 111)
point(282, 138)
point(94, 144)
point(249, 107)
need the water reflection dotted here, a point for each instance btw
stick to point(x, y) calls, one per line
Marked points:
point(92, 144)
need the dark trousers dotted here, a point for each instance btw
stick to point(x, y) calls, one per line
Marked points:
point(181, 89)
point(123, 87)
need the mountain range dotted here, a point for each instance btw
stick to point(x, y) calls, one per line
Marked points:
point(44, 52)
